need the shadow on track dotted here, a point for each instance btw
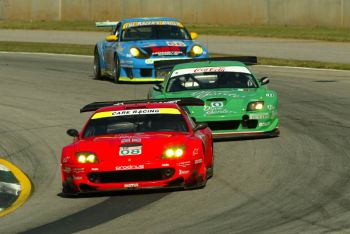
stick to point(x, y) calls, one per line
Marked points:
point(119, 204)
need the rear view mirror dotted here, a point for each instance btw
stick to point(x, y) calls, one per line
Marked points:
point(72, 132)
point(111, 38)
point(200, 126)
point(193, 35)
point(264, 80)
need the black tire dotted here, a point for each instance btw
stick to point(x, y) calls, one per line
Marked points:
point(116, 70)
point(67, 191)
point(97, 66)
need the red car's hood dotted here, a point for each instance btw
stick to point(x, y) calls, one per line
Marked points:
point(107, 148)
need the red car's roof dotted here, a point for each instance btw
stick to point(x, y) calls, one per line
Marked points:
point(138, 105)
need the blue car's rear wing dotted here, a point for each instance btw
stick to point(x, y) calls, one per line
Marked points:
point(107, 24)
point(162, 67)
point(179, 101)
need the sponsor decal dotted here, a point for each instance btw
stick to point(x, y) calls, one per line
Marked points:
point(175, 43)
point(269, 95)
point(129, 140)
point(198, 161)
point(203, 94)
point(184, 164)
point(152, 22)
point(77, 178)
point(165, 165)
point(183, 172)
point(216, 110)
point(195, 151)
point(129, 167)
point(151, 60)
point(166, 50)
point(264, 124)
point(78, 169)
point(209, 69)
point(65, 159)
point(130, 150)
point(270, 107)
point(67, 169)
point(95, 169)
point(133, 185)
point(259, 116)
point(217, 104)
point(108, 114)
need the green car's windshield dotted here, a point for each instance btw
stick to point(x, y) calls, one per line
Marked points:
point(211, 80)
point(154, 32)
point(135, 123)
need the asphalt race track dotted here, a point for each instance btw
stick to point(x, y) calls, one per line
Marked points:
point(296, 183)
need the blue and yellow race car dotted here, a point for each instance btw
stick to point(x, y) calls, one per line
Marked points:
point(129, 52)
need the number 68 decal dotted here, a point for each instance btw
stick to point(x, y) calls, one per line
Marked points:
point(125, 151)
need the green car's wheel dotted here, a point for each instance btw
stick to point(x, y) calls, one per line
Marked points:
point(116, 70)
point(97, 67)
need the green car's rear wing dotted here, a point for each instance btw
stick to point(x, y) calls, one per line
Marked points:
point(179, 101)
point(162, 67)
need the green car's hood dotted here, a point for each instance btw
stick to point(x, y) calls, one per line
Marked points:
point(223, 101)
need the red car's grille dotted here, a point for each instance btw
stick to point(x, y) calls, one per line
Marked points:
point(131, 175)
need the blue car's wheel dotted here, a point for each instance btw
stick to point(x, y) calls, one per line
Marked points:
point(97, 66)
point(116, 70)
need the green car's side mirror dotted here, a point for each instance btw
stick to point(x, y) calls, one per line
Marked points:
point(264, 80)
point(158, 87)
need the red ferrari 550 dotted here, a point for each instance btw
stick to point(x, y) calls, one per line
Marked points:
point(142, 144)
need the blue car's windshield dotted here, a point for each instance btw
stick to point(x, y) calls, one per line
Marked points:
point(154, 32)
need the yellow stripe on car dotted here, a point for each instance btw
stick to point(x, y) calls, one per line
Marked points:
point(107, 114)
point(26, 187)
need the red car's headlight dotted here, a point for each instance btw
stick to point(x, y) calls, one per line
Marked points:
point(85, 157)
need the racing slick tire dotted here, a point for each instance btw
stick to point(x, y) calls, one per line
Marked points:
point(97, 66)
point(68, 191)
point(116, 70)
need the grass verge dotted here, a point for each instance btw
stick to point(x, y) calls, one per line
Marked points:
point(317, 33)
point(88, 50)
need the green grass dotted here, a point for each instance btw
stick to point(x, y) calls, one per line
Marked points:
point(317, 33)
point(88, 50)
point(55, 48)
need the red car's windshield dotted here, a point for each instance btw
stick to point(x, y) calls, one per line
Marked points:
point(135, 123)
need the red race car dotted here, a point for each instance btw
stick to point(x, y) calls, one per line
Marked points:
point(140, 144)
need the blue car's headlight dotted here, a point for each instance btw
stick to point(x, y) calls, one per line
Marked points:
point(137, 53)
point(195, 51)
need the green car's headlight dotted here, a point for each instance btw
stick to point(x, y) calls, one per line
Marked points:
point(84, 157)
point(195, 51)
point(174, 152)
point(252, 106)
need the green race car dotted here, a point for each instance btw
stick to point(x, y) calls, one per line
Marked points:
point(236, 103)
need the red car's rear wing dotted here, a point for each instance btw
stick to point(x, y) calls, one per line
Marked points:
point(179, 101)
point(162, 67)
